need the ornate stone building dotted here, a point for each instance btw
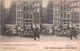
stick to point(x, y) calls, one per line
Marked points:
point(28, 12)
point(70, 12)
point(56, 13)
point(75, 13)
point(65, 13)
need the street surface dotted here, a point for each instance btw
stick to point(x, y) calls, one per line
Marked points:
point(46, 43)
point(43, 38)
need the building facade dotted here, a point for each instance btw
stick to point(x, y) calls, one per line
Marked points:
point(70, 12)
point(28, 12)
point(75, 13)
point(8, 14)
point(56, 13)
point(50, 12)
point(2, 15)
point(65, 13)
point(12, 13)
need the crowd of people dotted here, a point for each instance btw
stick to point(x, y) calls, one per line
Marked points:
point(35, 31)
point(27, 31)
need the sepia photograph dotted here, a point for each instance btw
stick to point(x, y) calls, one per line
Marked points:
point(40, 25)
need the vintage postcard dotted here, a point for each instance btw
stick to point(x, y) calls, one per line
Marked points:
point(39, 25)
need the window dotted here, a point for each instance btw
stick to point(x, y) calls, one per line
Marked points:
point(58, 22)
point(64, 7)
point(58, 19)
point(24, 2)
point(38, 4)
point(68, 15)
point(34, 10)
point(37, 14)
point(68, 7)
point(61, 15)
point(64, 15)
point(61, 7)
point(24, 16)
point(27, 7)
point(34, 4)
point(18, 14)
point(27, 16)
point(18, 7)
point(38, 10)
point(75, 3)
point(24, 8)
point(30, 6)
point(21, 20)
point(30, 16)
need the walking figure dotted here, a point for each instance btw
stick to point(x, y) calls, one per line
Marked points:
point(36, 33)
point(73, 33)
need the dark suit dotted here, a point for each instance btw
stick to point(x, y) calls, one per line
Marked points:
point(73, 33)
point(36, 33)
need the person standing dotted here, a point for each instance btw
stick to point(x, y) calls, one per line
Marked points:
point(73, 33)
point(77, 29)
point(36, 33)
